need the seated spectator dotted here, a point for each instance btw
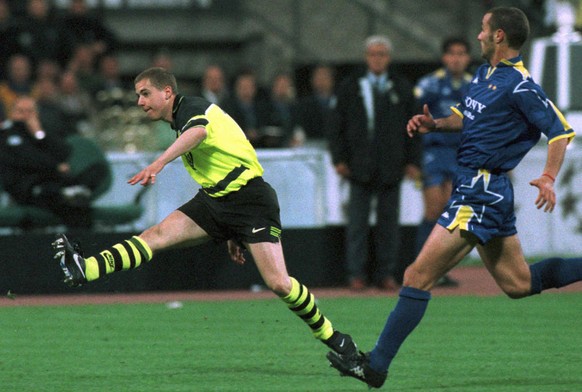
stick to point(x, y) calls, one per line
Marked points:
point(34, 168)
point(163, 59)
point(18, 80)
point(314, 109)
point(5, 14)
point(283, 119)
point(37, 34)
point(83, 64)
point(213, 84)
point(7, 43)
point(48, 69)
point(246, 108)
point(82, 27)
point(75, 102)
point(110, 78)
point(52, 117)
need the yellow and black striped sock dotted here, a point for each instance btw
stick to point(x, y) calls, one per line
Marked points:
point(122, 256)
point(302, 303)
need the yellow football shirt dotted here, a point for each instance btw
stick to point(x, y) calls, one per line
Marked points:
point(224, 161)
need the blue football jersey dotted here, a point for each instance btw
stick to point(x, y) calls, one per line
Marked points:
point(504, 113)
point(440, 91)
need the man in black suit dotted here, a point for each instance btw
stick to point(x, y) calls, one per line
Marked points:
point(370, 148)
point(314, 109)
point(248, 108)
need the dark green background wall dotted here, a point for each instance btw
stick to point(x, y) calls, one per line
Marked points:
point(314, 256)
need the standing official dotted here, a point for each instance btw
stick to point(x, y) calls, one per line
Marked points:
point(370, 150)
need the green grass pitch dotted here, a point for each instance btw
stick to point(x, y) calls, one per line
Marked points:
point(464, 344)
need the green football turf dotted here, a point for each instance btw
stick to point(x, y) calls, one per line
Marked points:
point(464, 344)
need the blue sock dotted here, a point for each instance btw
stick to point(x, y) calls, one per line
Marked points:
point(404, 318)
point(555, 272)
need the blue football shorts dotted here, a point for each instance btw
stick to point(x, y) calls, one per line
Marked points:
point(439, 164)
point(482, 204)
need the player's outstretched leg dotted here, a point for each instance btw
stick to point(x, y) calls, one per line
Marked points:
point(78, 270)
point(372, 368)
point(554, 273)
point(357, 366)
point(301, 302)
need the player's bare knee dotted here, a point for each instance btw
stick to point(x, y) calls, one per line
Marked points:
point(517, 291)
point(419, 277)
point(279, 286)
point(408, 277)
point(414, 277)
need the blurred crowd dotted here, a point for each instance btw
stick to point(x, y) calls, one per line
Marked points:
point(61, 59)
point(67, 60)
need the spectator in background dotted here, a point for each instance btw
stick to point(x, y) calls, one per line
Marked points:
point(37, 34)
point(314, 109)
point(18, 80)
point(48, 69)
point(370, 149)
point(34, 167)
point(163, 59)
point(246, 108)
point(5, 15)
point(7, 44)
point(283, 118)
point(18, 7)
point(51, 116)
point(441, 90)
point(75, 102)
point(85, 28)
point(213, 84)
point(109, 76)
point(83, 64)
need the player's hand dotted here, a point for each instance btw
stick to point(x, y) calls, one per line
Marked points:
point(421, 123)
point(547, 196)
point(147, 176)
point(235, 252)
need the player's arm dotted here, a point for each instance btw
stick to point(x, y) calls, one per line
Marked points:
point(425, 123)
point(187, 141)
point(540, 111)
point(545, 183)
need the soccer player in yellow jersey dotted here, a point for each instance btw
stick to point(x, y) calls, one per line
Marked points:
point(234, 204)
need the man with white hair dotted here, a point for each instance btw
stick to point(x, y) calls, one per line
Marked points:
point(369, 148)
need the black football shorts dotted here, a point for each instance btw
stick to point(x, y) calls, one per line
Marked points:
point(250, 214)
